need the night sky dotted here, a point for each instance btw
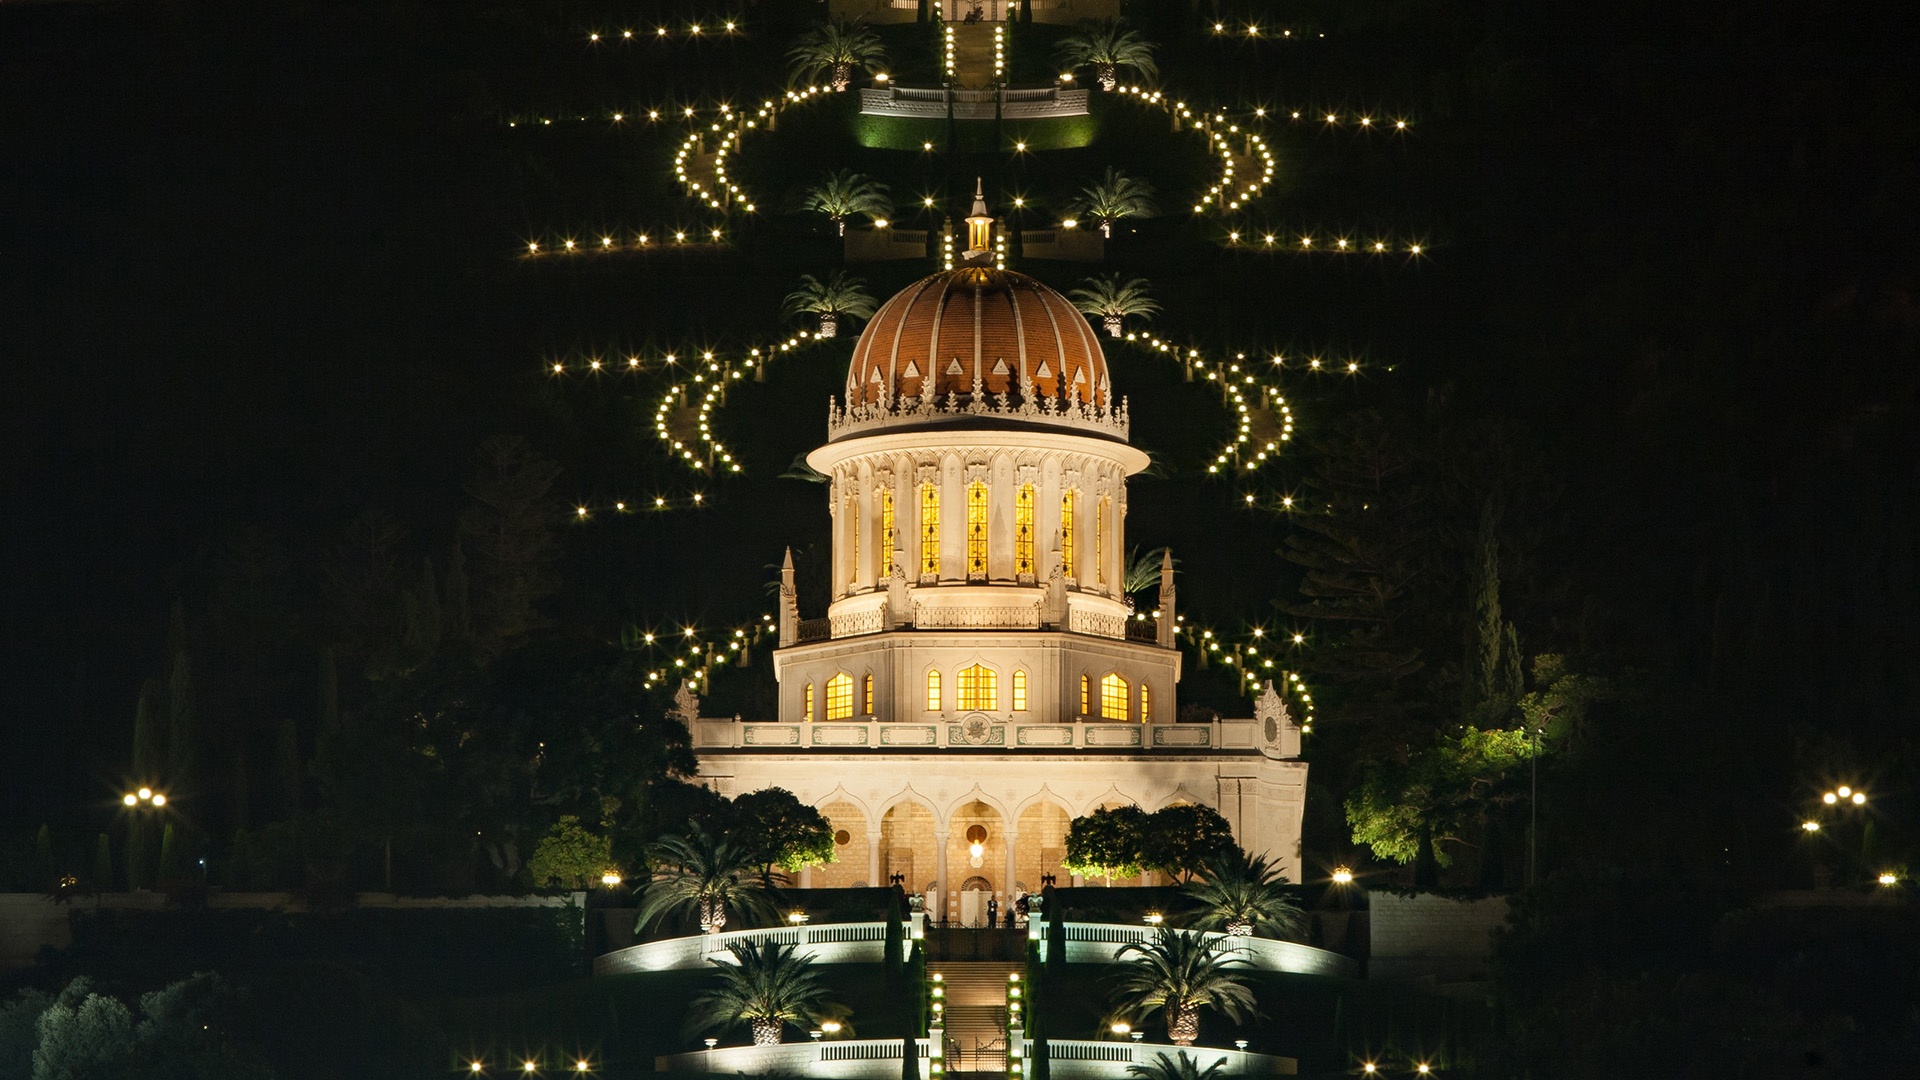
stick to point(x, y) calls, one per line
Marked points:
point(259, 271)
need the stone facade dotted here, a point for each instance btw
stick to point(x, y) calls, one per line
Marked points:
point(981, 677)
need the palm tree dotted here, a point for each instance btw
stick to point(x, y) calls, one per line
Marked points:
point(1142, 570)
point(1180, 1067)
point(768, 988)
point(1114, 196)
point(1113, 300)
point(835, 46)
point(700, 872)
point(1105, 46)
point(845, 193)
point(1182, 973)
point(838, 295)
point(1243, 894)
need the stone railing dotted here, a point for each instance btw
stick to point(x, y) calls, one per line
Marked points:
point(1101, 943)
point(1084, 1059)
point(1097, 623)
point(856, 623)
point(829, 943)
point(844, 1059)
point(910, 411)
point(814, 630)
point(951, 730)
point(879, 1059)
point(953, 617)
point(1032, 104)
point(1027, 104)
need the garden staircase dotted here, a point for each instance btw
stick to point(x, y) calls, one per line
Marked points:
point(976, 1013)
point(973, 55)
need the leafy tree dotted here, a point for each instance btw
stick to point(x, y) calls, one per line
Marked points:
point(1244, 894)
point(766, 987)
point(20, 1031)
point(777, 829)
point(840, 195)
point(1114, 196)
point(1113, 300)
point(1107, 843)
point(836, 47)
point(1105, 46)
point(1490, 675)
point(1181, 973)
point(1179, 1067)
point(569, 856)
point(704, 875)
point(1413, 811)
point(831, 299)
point(86, 1039)
point(1179, 839)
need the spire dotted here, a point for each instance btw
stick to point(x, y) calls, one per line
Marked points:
point(1164, 632)
point(979, 228)
point(789, 603)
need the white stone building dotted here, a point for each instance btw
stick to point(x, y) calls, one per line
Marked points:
point(980, 678)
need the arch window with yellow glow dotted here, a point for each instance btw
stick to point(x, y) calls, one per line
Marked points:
point(1019, 691)
point(977, 688)
point(866, 695)
point(1146, 704)
point(933, 691)
point(806, 705)
point(1067, 502)
point(1113, 698)
point(840, 697)
point(886, 533)
point(1086, 696)
point(929, 531)
point(1023, 530)
point(977, 531)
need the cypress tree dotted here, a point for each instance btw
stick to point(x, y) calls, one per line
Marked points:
point(149, 737)
point(183, 725)
point(139, 868)
point(102, 877)
point(239, 873)
point(893, 955)
point(171, 870)
point(1056, 935)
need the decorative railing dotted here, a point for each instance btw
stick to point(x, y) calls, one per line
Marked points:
point(830, 943)
point(1033, 408)
point(851, 1059)
point(1100, 943)
point(1030, 103)
point(855, 623)
point(1082, 1059)
point(943, 616)
point(943, 731)
point(1097, 623)
point(814, 630)
point(1143, 630)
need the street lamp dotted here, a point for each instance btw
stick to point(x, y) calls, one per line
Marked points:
point(1342, 876)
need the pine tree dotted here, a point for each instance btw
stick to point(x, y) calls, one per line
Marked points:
point(149, 735)
point(183, 722)
point(1490, 675)
point(511, 529)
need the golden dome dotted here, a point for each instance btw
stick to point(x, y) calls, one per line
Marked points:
point(1010, 333)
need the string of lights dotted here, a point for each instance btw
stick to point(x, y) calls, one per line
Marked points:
point(625, 241)
point(1326, 243)
point(691, 31)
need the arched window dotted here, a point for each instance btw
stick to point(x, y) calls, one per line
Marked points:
point(929, 531)
point(933, 691)
point(840, 697)
point(866, 695)
point(886, 533)
point(1023, 530)
point(977, 529)
point(1019, 691)
point(1086, 696)
point(806, 705)
point(1113, 698)
point(1146, 704)
point(1100, 541)
point(1066, 534)
point(978, 689)
point(853, 540)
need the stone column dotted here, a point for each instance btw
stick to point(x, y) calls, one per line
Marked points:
point(1013, 840)
point(940, 872)
point(873, 859)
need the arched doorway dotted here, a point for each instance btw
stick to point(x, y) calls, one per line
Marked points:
point(907, 830)
point(1041, 846)
point(851, 865)
point(977, 856)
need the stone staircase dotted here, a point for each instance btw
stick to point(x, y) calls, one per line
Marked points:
point(973, 55)
point(976, 1013)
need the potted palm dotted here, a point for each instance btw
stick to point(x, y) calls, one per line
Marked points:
point(1181, 972)
point(1243, 895)
point(1114, 196)
point(835, 48)
point(701, 873)
point(1112, 300)
point(765, 988)
point(1106, 46)
point(845, 193)
point(837, 297)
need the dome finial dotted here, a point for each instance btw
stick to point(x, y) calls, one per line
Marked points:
point(979, 229)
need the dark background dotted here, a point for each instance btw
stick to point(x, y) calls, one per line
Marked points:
point(260, 268)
